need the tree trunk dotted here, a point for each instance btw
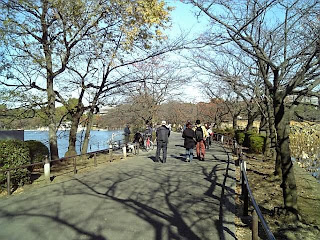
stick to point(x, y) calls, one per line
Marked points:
point(264, 131)
point(73, 134)
point(53, 144)
point(273, 140)
point(288, 185)
point(235, 122)
point(272, 135)
point(218, 124)
point(251, 118)
point(263, 124)
point(267, 149)
point(87, 134)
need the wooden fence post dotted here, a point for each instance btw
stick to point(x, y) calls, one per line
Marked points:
point(110, 152)
point(245, 202)
point(74, 165)
point(255, 227)
point(124, 150)
point(245, 192)
point(95, 159)
point(46, 169)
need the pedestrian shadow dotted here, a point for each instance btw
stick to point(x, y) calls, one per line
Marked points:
point(181, 157)
point(153, 158)
point(179, 145)
point(226, 197)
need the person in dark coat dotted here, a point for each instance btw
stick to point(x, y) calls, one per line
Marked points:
point(127, 133)
point(189, 141)
point(138, 139)
point(162, 134)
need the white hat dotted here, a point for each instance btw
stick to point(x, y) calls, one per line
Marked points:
point(163, 122)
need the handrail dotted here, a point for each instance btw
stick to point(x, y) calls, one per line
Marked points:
point(247, 191)
point(255, 205)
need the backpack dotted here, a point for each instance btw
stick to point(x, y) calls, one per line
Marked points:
point(199, 134)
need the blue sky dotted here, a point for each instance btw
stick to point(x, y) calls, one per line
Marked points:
point(183, 17)
point(184, 20)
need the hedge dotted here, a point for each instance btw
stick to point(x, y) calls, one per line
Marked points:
point(228, 131)
point(240, 135)
point(38, 151)
point(246, 141)
point(14, 153)
point(256, 143)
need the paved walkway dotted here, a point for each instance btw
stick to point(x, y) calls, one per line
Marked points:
point(131, 199)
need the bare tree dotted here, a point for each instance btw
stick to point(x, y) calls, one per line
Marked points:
point(43, 37)
point(228, 73)
point(230, 99)
point(178, 112)
point(285, 46)
point(158, 79)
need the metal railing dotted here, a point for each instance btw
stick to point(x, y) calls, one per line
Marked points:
point(246, 192)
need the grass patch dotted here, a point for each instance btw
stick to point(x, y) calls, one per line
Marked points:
point(268, 194)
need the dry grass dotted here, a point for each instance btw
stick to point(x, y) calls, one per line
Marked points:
point(268, 194)
point(305, 145)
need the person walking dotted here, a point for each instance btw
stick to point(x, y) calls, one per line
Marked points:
point(148, 137)
point(127, 133)
point(189, 141)
point(201, 135)
point(208, 139)
point(162, 134)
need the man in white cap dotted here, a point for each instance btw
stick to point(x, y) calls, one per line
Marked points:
point(163, 134)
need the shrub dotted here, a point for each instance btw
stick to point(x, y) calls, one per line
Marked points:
point(38, 151)
point(240, 135)
point(256, 143)
point(14, 153)
point(246, 141)
point(217, 130)
point(229, 132)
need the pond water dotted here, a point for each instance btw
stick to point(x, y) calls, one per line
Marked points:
point(99, 139)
